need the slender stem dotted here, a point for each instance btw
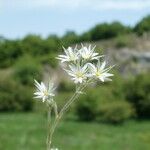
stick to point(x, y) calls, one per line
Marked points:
point(55, 109)
point(65, 107)
point(62, 112)
point(49, 126)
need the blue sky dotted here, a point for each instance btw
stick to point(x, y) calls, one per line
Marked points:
point(21, 17)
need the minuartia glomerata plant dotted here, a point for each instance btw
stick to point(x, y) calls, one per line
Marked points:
point(84, 66)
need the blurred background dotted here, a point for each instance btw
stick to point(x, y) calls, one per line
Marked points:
point(110, 116)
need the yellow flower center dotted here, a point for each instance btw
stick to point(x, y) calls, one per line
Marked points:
point(72, 57)
point(86, 56)
point(79, 74)
point(46, 93)
point(98, 73)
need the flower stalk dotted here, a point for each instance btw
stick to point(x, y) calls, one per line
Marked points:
point(49, 126)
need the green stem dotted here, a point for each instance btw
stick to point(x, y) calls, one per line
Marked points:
point(49, 127)
point(65, 107)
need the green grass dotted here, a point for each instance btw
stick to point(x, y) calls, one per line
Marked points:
point(28, 132)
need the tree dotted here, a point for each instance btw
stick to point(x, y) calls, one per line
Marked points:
point(70, 38)
point(143, 26)
point(106, 31)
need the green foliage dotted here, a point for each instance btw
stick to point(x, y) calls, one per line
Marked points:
point(104, 104)
point(49, 59)
point(115, 111)
point(14, 97)
point(66, 86)
point(53, 43)
point(123, 41)
point(33, 45)
point(86, 107)
point(26, 70)
point(85, 36)
point(106, 31)
point(137, 92)
point(117, 86)
point(143, 26)
point(61, 100)
point(70, 38)
point(9, 52)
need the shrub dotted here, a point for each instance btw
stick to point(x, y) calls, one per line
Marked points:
point(124, 41)
point(106, 31)
point(103, 104)
point(9, 52)
point(14, 97)
point(49, 59)
point(53, 44)
point(86, 36)
point(33, 45)
point(138, 94)
point(70, 38)
point(143, 26)
point(86, 107)
point(26, 70)
point(115, 111)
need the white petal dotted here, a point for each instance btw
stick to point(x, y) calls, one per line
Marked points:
point(92, 67)
point(37, 93)
point(43, 86)
point(108, 79)
point(44, 98)
point(84, 68)
point(38, 96)
point(103, 65)
point(37, 84)
point(98, 64)
point(101, 78)
point(108, 74)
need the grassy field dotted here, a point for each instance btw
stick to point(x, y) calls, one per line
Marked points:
point(28, 132)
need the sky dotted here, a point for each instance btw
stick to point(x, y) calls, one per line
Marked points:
point(44, 17)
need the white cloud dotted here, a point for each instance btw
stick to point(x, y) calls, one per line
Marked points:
point(76, 4)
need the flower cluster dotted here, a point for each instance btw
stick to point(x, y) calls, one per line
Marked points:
point(84, 64)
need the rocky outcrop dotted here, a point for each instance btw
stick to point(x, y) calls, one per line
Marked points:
point(131, 60)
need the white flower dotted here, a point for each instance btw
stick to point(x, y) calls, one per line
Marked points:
point(99, 71)
point(70, 55)
point(78, 73)
point(43, 92)
point(88, 53)
point(54, 148)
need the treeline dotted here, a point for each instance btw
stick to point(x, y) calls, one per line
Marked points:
point(43, 49)
point(32, 45)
